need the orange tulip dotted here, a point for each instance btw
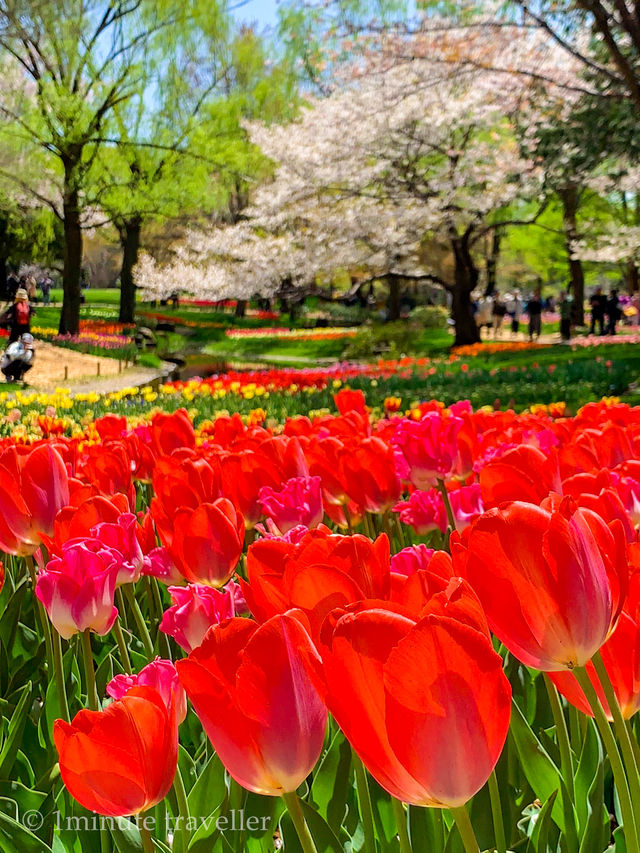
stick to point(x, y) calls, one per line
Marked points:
point(551, 581)
point(120, 761)
point(250, 686)
point(423, 700)
point(33, 488)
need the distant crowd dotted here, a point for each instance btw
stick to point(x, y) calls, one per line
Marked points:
point(30, 284)
point(607, 310)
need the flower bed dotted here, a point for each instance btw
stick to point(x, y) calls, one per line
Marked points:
point(346, 626)
point(389, 385)
point(94, 338)
point(275, 333)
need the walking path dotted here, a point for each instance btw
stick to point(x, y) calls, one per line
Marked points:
point(58, 367)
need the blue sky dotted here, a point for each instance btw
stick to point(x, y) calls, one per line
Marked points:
point(262, 12)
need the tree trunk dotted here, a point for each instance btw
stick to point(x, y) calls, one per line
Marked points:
point(631, 276)
point(4, 259)
point(241, 307)
point(570, 198)
point(393, 303)
point(465, 282)
point(492, 261)
point(70, 315)
point(130, 242)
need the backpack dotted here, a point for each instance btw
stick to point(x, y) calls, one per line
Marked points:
point(23, 312)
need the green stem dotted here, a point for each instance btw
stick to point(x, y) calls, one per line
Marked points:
point(296, 814)
point(122, 610)
point(447, 504)
point(183, 809)
point(105, 840)
point(401, 825)
point(566, 763)
point(611, 750)
point(147, 841)
point(622, 732)
point(122, 646)
point(562, 734)
point(141, 625)
point(41, 615)
point(90, 676)
point(364, 800)
point(468, 836)
point(496, 813)
point(400, 531)
point(59, 671)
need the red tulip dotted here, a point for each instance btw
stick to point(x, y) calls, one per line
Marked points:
point(423, 700)
point(243, 475)
point(250, 687)
point(33, 488)
point(320, 572)
point(75, 522)
point(522, 473)
point(370, 475)
point(120, 761)
point(107, 466)
point(186, 483)
point(552, 582)
point(207, 542)
point(348, 400)
point(171, 432)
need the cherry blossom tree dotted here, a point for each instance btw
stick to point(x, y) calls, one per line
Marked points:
point(406, 149)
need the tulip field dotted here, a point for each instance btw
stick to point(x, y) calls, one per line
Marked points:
point(324, 610)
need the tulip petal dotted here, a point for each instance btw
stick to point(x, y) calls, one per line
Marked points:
point(447, 705)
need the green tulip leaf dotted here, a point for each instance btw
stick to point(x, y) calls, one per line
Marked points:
point(540, 771)
point(15, 732)
point(15, 838)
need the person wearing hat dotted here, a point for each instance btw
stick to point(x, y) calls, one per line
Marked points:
point(18, 316)
point(18, 358)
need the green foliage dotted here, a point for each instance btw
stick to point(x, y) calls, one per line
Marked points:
point(398, 338)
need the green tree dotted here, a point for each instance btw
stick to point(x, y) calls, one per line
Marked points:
point(76, 63)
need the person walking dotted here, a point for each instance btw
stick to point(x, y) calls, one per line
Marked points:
point(598, 304)
point(499, 311)
point(45, 286)
point(18, 316)
point(516, 309)
point(534, 309)
point(612, 311)
point(565, 306)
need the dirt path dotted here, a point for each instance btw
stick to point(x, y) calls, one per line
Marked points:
point(58, 367)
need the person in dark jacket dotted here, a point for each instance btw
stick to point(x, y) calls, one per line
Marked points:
point(534, 310)
point(598, 304)
point(612, 310)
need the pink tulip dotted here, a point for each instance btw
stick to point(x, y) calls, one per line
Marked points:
point(298, 502)
point(424, 511)
point(33, 488)
point(195, 609)
point(158, 564)
point(426, 450)
point(466, 503)
point(163, 677)
point(77, 589)
point(122, 536)
point(411, 560)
